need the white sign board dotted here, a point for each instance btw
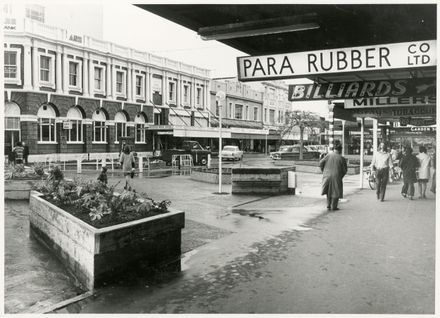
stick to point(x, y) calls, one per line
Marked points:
point(67, 124)
point(343, 60)
point(374, 102)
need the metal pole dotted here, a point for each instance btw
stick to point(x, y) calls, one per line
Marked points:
point(361, 181)
point(220, 150)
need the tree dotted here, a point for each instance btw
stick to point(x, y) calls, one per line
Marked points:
point(305, 121)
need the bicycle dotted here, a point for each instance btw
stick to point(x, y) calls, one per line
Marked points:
point(371, 177)
point(395, 173)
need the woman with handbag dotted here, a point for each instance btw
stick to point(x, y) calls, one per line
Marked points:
point(127, 162)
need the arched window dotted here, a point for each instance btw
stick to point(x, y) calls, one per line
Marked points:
point(46, 124)
point(140, 128)
point(76, 131)
point(120, 126)
point(99, 131)
point(12, 125)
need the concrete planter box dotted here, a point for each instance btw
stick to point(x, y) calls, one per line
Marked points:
point(251, 180)
point(93, 255)
point(313, 167)
point(211, 175)
point(18, 189)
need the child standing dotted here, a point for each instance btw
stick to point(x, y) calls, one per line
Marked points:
point(103, 175)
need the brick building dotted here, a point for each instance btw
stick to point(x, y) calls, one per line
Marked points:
point(71, 93)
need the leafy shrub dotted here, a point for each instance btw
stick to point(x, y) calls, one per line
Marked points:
point(99, 200)
point(39, 168)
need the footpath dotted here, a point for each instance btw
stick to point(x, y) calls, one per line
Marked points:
point(283, 254)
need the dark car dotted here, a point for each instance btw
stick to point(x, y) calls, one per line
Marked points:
point(292, 153)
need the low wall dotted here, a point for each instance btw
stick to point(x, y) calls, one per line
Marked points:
point(260, 180)
point(18, 189)
point(313, 166)
point(211, 175)
point(95, 255)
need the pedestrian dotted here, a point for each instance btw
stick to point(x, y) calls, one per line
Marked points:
point(433, 175)
point(409, 165)
point(381, 165)
point(103, 175)
point(127, 162)
point(25, 152)
point(424, 171)
point(334, 168)
point(18, 153)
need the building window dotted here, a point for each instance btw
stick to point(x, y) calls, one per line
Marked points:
point(172, 91)
point(272, 116)
point(238, 111)
point(12, 66)
point(46, 124)
point(73, 74)
point(140, 128)
point(120, 126)
point(75, 133)
point(265, 115)
point(44, 68)
point(186, 93)
point(99, 79)
point(99, 129)
point(35, 12)
point(199, 96)
point(246, 113)
point(255, 113)
point(139, 86)
point(217, 109)
point(230, 110)
point(120, 82)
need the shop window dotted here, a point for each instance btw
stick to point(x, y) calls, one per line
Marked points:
point(75, 133)
point(99, 127)
point(140, 129)
point(120, 126)
point(46, 124)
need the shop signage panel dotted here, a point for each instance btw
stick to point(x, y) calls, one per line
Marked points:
point(384, 102)
point(356, 59)
point(404, 121)
point(363, 89)
point(67, 124)
point(74, 38)
point(413, 131)
point(395, 112)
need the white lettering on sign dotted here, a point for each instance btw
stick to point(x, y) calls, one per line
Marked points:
point(365, 58)
point(390, 101)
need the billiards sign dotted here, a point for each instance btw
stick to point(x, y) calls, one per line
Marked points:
point(363, 89)
point(356, 59)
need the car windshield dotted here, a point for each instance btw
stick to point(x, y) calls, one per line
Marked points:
point(284, 148)
point(230, 148)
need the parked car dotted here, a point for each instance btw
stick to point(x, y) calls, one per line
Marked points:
point(198, 153)
point(292, 153)
point(232, 153)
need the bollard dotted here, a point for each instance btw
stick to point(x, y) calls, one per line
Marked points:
point(141, 164)
point(208, 164)
point(78, 165)
point(291, 182)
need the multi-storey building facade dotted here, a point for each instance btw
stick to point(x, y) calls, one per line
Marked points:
point(71, 93)
point(241, 114)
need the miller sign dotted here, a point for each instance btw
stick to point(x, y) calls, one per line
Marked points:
point(357, 89)
point(389, 101)
point(356, 59)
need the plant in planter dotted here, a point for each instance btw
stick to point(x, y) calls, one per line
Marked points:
point(99, 234)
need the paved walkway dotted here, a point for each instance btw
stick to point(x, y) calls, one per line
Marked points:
point(255, 254)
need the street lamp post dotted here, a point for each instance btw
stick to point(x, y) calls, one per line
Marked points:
point(219, 98)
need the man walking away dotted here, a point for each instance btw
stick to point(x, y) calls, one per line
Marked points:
point(382, 163)
point(334, 168)
point(424, 171)
point(409, 164)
